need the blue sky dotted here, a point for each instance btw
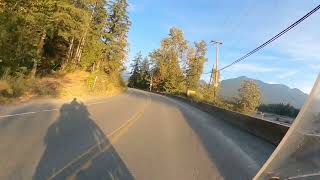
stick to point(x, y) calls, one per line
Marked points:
point(294, 59)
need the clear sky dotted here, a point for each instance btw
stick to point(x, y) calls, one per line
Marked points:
point(294, 59)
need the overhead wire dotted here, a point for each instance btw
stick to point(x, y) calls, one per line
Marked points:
point(269, 41)
point(273, 38)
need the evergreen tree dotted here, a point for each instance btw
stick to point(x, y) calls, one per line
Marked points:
point(116, 35)
point(145, 74)
point(140, 75)
point(93, 53)
point(135, 78)
point(39, 36)
point(23, 26)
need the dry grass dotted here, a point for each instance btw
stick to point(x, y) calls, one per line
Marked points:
point(70, 85)
point(76, 85)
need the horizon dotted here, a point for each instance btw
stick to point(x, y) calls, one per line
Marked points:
point(283, 62)
point(292, 88)
point(240, 77)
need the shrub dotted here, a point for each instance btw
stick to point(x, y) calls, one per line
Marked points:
point(5, 88)
point(104, 82)
point(19, 85)
point(13, 86)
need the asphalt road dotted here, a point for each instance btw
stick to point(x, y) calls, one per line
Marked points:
point(136, 135)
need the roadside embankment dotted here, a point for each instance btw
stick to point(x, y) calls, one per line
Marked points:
point(80, 84)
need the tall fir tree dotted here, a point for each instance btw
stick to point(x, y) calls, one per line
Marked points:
point(41, 36)
point(135, 78)
point(145, 73)
point(116, 37)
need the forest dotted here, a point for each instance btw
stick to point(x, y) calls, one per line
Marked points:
point(39, 38)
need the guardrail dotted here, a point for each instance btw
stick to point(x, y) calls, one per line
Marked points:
point(270, 131)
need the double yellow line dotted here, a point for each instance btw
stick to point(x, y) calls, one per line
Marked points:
point(113, 137)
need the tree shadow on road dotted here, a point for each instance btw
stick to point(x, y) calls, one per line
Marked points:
point(76, 148)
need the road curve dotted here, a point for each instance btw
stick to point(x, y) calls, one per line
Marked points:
point(136, 135)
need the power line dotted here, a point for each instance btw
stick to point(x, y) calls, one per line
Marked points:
point(273, 38)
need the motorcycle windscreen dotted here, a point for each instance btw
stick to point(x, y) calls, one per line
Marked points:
point(298, 154)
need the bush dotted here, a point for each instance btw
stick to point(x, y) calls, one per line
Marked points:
point(229, 105)
point(5, 88)
point(69, 68)
point(13, 86)
point(91, 78)
point(104, 82)
point(19, 85)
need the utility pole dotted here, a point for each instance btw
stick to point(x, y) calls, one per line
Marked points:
point(215, 71)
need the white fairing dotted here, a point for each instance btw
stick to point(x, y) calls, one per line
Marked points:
point(298, 154)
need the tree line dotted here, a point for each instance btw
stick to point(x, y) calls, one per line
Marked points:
point(280, 109)
point(38, 37)
point(176, 67)
point(173, 68)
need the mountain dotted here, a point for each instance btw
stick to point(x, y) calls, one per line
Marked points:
point(271, 93)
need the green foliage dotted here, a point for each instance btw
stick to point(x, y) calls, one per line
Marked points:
point(207, 93)
point(14, 86)
point(229, 105)
point(99, 83)
point(19, 85)
point(140, 75)
point(145, 74)
point(118, 24)
point(249, 97)
point(91, 79)
point(195, 62)
point(135, 78)
point(50, 35)
point(173, 68)
point(280, 109)
point(45, 36)
point(167, 71)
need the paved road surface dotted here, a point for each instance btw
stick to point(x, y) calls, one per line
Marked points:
point(136, 135)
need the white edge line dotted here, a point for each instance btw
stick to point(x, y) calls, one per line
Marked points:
point(19, 114)
point(50, 110)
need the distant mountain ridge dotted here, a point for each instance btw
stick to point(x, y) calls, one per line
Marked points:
point(271, 93)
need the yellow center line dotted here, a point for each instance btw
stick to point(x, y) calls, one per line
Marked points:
point(113, 137)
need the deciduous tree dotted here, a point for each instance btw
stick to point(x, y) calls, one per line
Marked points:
point(249, 97)
point(196, 57)
point(167, 60)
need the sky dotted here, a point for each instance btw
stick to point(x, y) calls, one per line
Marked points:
point(293, 59)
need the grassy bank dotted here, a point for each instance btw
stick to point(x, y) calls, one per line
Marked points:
point(61, 85)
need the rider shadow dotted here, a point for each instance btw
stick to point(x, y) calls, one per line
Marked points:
point(76, 148)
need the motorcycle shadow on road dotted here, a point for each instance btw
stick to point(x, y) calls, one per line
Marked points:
point(76, 148)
